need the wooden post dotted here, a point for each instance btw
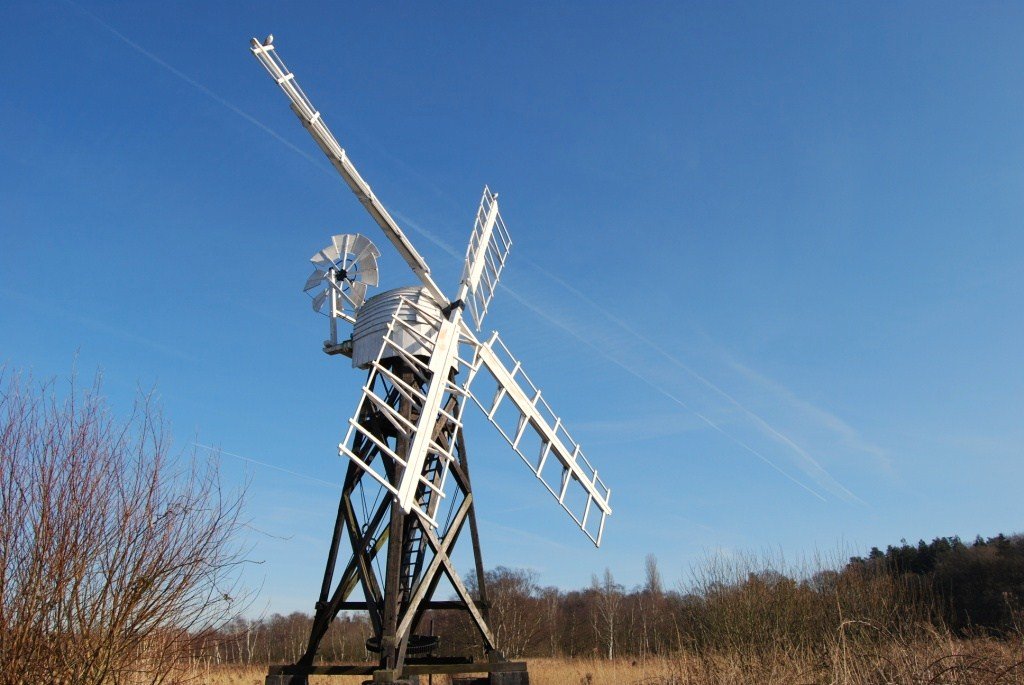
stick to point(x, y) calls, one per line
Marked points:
point(390, 646)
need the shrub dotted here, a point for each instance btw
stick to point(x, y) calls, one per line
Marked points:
point(115, 556)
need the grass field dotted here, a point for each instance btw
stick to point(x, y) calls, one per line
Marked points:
point(941, 661)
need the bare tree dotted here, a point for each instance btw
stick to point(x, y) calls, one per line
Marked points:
point(551, 601)
point(515, 613)
point(608, 596)
point(115, 557)
point(650, 607)
point(652, 576)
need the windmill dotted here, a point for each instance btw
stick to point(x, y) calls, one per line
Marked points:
point(425, 361)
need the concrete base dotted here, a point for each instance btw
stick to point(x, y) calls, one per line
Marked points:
point(510, 678)
point(284, 680)
point(389, 678)
point(461, 673)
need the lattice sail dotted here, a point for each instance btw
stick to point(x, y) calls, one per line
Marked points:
point(420, 404)
point(513, 404)
point(489, 245)
point(412, 399)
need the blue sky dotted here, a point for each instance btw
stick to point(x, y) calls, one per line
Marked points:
point(768, 259)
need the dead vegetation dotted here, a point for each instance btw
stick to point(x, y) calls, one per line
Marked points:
point(935, 660)
point(115, 557)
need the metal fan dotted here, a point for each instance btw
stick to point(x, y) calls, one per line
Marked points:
point(343, 271)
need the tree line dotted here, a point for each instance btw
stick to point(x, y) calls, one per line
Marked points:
point(732, 603)
point(980, 586)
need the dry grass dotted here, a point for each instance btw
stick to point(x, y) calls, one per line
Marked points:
point(958, 662)
point(940, 660)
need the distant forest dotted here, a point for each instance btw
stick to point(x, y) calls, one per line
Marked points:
point(743, 604)
point(979, 586)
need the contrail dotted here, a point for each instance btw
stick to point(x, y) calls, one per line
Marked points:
point(439, 242)
point(217, 450)
point(555, 322)
point(756, 418)
point(452, 251)
point(199, 86)
point(97, 324)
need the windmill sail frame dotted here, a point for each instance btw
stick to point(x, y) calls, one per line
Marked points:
point(577, 476)
point(486, 254)
point(460, 350)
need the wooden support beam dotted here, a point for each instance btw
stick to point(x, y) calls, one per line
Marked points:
point(371, 589)
point(460, 587)
point(478, 560)
point(440, 554)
